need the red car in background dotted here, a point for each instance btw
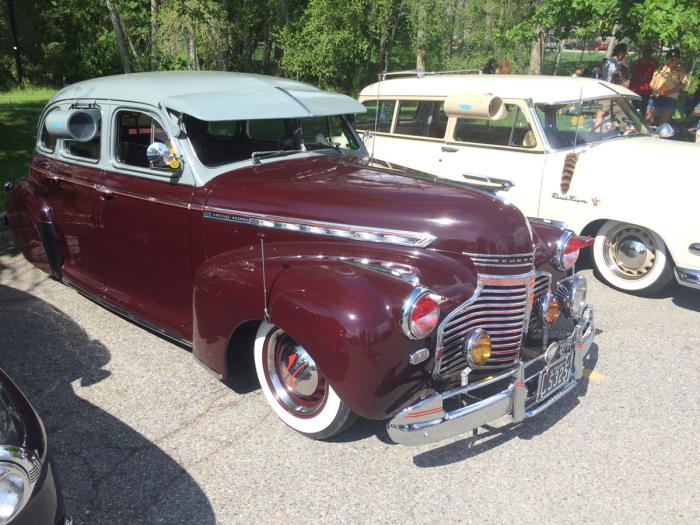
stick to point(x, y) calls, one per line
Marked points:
point(600, 46)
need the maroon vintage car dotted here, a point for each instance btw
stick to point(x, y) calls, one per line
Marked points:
point(241, 213)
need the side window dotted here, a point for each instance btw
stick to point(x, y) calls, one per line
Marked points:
point(383, 116)
point(514, 130)
point(135, 132)
point(46, 140)
point(421, 119)
point(86, 150)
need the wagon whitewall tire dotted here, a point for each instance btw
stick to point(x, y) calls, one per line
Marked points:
point(296, 388)
point(632, 258)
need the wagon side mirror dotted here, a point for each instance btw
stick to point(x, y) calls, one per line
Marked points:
point(665, 131)
point(160, 156)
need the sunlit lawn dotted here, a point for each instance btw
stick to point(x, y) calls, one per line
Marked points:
point(19, 114)
point(570, 60)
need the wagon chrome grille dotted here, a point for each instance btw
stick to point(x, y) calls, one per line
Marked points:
point(501, 306)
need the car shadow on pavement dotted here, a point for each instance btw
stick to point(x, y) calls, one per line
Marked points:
point(490, 436)
point(109, 472)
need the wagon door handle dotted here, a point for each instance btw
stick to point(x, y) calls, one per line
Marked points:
point(106, 195)
point(449, 150)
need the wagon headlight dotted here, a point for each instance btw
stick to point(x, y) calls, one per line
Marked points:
point(572, 294)
point(568, 248)
point(420, 312)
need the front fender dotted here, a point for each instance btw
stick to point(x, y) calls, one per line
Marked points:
point(30, 220)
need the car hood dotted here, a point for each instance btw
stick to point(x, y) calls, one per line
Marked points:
point(347, 191)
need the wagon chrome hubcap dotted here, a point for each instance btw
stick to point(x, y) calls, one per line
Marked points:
point(295, 380)
point(629, 252)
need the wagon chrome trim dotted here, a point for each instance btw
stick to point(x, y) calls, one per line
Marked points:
point(327, 229)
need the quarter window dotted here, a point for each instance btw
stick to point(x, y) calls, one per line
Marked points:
point(135, 132)
point(514, 130)
point(47, 140)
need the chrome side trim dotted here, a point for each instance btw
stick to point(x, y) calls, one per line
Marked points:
point(327, 229)
point(99, 187)
point(136, 319)
point(687, 277)
point(694, 248)
point(401, 274)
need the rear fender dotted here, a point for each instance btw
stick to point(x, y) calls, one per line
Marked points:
point(340, 301)
point(32, 226)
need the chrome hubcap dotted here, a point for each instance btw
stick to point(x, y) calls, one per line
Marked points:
point(293, 376)
point(629, 252)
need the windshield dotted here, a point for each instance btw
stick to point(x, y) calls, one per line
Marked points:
point(225, 142)
point(589, 122)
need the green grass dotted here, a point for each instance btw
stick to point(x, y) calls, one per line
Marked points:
point(19, 114)
point(570, 60)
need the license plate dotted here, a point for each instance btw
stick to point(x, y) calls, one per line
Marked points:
point(554, 377)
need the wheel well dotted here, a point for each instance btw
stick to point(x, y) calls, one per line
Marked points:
point(593, 227)
point(240, 346)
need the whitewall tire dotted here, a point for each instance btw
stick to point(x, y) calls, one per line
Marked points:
point(296, 388)
point(632, 258)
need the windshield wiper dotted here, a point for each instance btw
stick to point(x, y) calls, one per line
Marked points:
point(257, 155)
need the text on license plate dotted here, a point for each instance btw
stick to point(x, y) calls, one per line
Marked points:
point(553, 377)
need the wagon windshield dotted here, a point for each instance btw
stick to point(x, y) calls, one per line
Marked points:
point(225, 142)
point(590, 121)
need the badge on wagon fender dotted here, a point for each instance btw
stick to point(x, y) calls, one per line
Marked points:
point(595, 201)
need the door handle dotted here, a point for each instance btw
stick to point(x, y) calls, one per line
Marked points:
point(106, 195)
point(449, 150)
point(53, 177)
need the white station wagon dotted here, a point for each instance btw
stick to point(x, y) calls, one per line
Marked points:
point(573, 149)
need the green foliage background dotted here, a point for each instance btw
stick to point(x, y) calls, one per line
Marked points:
point(332, 45)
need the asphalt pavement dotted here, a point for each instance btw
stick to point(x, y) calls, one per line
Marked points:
point(142, 435)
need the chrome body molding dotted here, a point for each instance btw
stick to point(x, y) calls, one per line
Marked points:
point(327, 229)
point(397, 272)
point(688, 277)
point(55, 177)
point(131, 317)
point(426, 421)
point(518, 260)
point(694, 248)
point(557, 224)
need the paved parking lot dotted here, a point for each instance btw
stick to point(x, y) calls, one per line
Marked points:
point(141, 434)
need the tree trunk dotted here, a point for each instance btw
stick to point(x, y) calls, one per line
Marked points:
point(382, 47)
point(267, 48)
point(611, 42)
point(126, 33)
point(192, 51)
point(536, 55)
point(420, 39)
point(560, 47)
point(15, 43)
point(371, 42)
point(387, 66)
point(154, 12)
point(120, 36)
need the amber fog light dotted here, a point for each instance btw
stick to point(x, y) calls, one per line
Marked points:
point(477, 347)
point(550, 308)
point(572, 293)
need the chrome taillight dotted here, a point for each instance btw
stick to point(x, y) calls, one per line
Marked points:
point(567, 251)
point(420, 312)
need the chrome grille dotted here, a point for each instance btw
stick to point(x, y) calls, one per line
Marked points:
point(501, 306)
point(542, 285)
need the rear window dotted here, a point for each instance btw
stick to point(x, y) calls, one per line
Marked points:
point(383, 116)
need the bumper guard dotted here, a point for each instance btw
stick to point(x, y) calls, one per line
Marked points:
point(427, 422)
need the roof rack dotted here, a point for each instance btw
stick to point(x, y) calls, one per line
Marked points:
point(421, 74)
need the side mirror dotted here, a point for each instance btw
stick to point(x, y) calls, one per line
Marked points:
point(160, 156)
point(665, 131)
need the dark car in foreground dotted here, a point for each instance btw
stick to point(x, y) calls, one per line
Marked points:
point(29, 489)
point(242, 213)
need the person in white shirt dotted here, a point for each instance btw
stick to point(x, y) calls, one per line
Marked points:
point(577, 72)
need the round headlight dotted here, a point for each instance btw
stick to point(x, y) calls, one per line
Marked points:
point(477, 347)
point(14, 490)
point(572, 294)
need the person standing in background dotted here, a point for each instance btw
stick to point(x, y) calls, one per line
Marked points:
point(666, 84)
point(614, 62)
point(504, 68)
point(642, 74)
point(577, 72)
point(490, 67)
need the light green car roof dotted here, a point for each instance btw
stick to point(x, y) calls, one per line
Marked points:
point(215, 95)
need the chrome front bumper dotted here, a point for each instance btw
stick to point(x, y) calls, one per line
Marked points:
point(688, 277)
point(427, 422)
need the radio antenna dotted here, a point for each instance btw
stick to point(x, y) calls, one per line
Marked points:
point(376, 112)
point(578, 118)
